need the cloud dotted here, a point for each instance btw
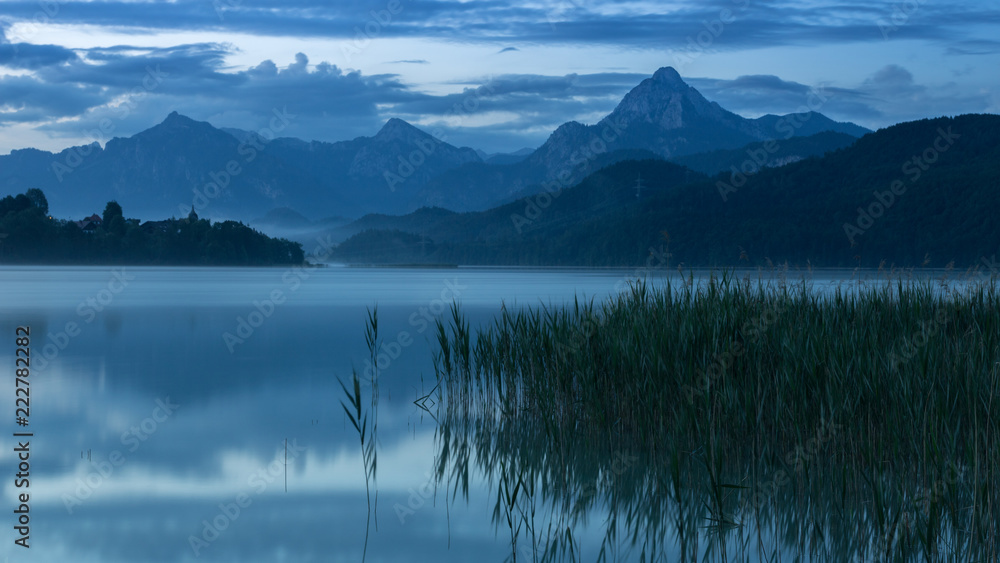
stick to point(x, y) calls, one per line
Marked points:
point(24, 100)
point(551, 99)
point(300, 66)
point(111, 83)
point(974, 47)
point(160, 494)
point(890, 95)
point(754, 95)
point(893, 80)
point(764, 83)
point(23, 56)
point(331, 104)
point(339, 104)
point(739, 24)
point(194, 80)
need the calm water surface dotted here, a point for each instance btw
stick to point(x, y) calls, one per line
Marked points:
point(162, 400)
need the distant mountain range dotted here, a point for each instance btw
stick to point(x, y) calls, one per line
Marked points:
point(917, 193)
point(230, 173)
point(662, 116)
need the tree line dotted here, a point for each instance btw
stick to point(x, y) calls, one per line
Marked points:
point(28, 234)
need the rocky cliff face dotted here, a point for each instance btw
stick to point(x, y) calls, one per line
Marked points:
point(662, 116)
point(666, 116)
point(664, 100)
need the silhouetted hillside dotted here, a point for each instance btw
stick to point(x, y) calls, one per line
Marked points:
point(915, 193)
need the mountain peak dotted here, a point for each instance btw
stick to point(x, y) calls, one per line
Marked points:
point(666, 101)
point(177, 129)
point(667, 75)
point(175, 119)
point(396, 128)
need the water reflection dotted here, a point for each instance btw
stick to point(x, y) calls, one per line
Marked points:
point(583, 432)
point(571, 500)
point(102, 367)
point(161, 339)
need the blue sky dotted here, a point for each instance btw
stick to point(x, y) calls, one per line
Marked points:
point(493, 75)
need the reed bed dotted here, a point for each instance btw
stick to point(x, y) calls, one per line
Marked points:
point(881, 397)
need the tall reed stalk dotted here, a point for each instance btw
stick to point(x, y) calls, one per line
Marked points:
point(368, 435)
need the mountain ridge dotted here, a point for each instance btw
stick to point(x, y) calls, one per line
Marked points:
point(857, 205)
point(232, 173)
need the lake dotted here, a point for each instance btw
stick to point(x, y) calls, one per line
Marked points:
point(182, 414)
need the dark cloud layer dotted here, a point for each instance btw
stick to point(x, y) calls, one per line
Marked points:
point(64, 92)
point(744, 23)
point(889, 95)
point(328, 102)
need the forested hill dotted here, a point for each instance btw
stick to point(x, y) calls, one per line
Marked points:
point(28, 235)
point(771, 153)
point(918, 193)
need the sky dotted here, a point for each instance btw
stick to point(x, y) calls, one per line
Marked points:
point(493, 75)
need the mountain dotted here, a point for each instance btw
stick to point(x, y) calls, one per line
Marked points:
point(663, 115)
point(917, 193)
point(478, 186)
point(383, 173)
point(231, 173)
point(156, 172)
point(807, 124)
point(506, 158)
point(666, 116)
point(765, 153)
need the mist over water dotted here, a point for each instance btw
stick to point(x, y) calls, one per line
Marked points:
point(162, 399)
